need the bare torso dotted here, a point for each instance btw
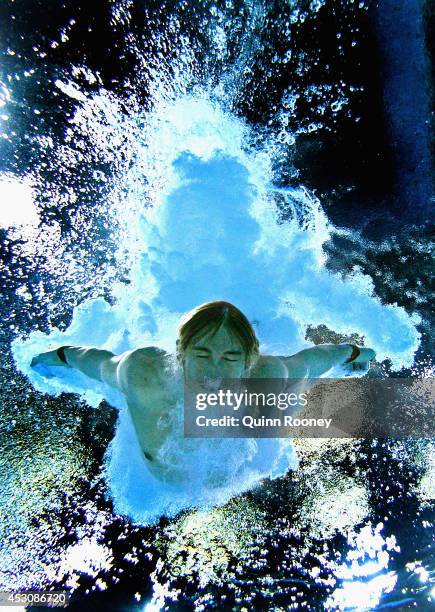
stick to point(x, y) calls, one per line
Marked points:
point(153, 386)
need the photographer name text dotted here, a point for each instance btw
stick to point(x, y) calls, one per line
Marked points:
point(253, 422)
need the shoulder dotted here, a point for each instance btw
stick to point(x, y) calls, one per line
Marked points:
point(269, 366)
point(147, 353)
point(148, 356)
point(298, 364)
point(143, 367)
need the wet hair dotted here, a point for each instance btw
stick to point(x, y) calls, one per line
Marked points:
point(208, 317)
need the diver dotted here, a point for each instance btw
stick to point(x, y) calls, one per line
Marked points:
point(215, 341)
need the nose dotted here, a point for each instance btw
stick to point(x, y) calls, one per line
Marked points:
point(212, 370)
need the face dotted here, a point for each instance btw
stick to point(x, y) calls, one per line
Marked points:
point(219, 354)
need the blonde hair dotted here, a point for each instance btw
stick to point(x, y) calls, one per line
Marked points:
point(209, 317)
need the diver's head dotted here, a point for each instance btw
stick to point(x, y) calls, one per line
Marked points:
point(216, 340)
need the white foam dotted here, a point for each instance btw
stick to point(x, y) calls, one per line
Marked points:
point(215, 470)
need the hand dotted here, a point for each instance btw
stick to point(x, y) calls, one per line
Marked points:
point(50, 358)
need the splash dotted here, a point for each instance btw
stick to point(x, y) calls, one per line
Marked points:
point(198, 218)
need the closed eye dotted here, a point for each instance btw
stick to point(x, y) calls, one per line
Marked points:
point(206, 357)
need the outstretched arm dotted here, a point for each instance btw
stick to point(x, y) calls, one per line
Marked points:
point(96, 363)
point(315, 361)
point(131, 372)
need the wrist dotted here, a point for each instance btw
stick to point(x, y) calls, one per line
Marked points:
point(60, 352)
point(355, 352)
